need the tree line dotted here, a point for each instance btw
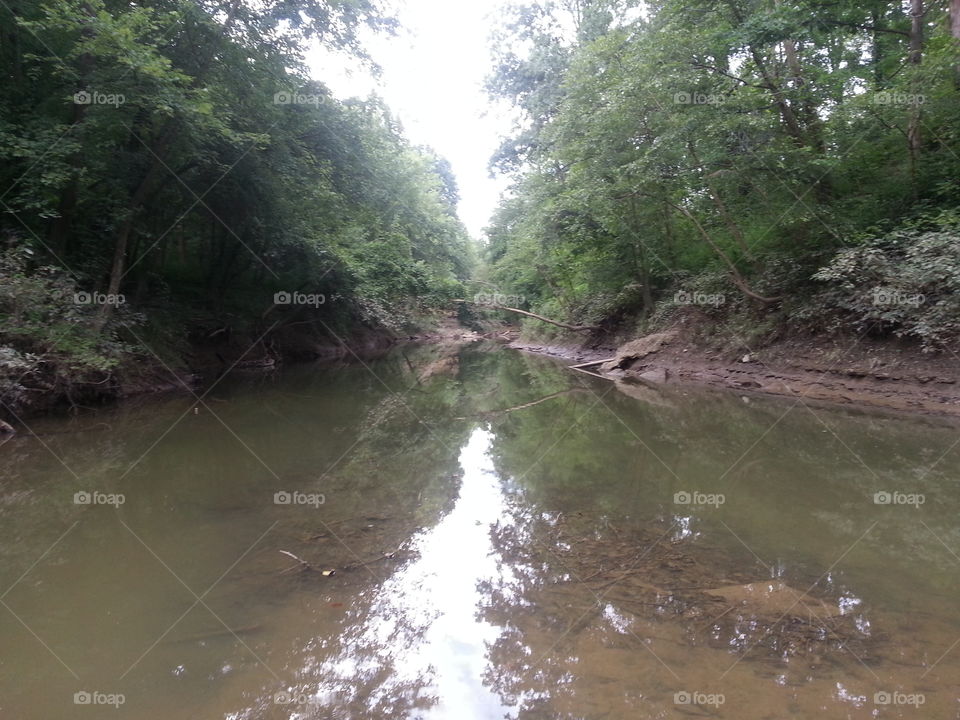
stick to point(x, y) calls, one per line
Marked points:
point(800, 161)
point(169, 166)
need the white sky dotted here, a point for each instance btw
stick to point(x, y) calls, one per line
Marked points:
point(432, 80)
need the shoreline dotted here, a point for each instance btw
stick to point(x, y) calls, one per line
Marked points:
point(208, 363)
point(205, 363)
point(856, 374)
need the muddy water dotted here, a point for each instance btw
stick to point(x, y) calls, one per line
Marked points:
point(506, 539)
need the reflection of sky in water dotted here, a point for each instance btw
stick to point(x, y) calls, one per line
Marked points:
point(424, 620)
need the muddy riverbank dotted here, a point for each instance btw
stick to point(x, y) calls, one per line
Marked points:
point(853, 372)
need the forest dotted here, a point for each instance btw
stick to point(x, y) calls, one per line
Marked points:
point(172, 176)
point(782, 166)
point(176, 186)
point(479, 359)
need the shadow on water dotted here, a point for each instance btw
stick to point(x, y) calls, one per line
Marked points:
point(475, 533)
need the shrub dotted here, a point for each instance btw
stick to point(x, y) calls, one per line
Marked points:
point(46, 338)
point(905, 282)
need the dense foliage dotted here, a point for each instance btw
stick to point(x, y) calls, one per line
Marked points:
point(733, 146)
point(168, 167)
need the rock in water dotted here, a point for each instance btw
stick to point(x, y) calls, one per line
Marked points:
point(774, 598)
point(638, 349)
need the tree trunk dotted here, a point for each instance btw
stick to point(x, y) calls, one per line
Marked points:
point(722, 207)
point(126, 228)
point(59, 235)
point(641, 262)
point(954, 20)
point(876, 53)
point(914, 138)
point(916, 31)
point(786, 112)
point(814, 127)
point(735, 277)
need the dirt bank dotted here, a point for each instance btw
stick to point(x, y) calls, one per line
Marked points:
point(843, 371)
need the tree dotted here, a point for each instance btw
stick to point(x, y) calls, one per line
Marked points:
point(177, 154)
point(715, 138)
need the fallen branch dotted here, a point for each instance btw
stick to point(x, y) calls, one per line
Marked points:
point(592, 362)
point(214, 634)
point(541, 318)
point(551, 396)
point(304, 565)
point(364, 563)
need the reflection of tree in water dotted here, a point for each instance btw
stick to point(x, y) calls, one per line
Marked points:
point(517, 669)
point(42, 472)
point(557, 453)
point(798, 484)
point(362, 674)
point(417, 629)
point(584, 600)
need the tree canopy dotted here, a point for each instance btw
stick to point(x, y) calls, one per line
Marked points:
point(177, 155)
point(733, 146)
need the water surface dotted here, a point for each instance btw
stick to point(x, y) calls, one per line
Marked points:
point(507, 539)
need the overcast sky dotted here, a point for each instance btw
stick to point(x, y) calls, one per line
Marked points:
point(432, 79)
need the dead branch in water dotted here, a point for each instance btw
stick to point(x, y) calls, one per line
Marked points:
point(592, 362)
point(541, 318)
point(215, 634)
point(551, 396)
point(537, 402)
point(304, 565)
